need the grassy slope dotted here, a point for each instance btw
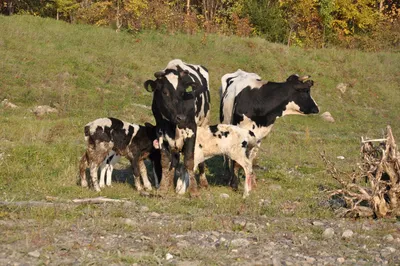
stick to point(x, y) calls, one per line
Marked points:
point(89, 72)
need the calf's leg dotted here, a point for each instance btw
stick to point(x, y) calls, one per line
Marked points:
point(83, 164)
point(143, 174)
point(203, 178)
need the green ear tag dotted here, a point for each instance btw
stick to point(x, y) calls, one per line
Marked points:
point(189, 89)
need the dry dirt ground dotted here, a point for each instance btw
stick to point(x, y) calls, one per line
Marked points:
point(131, 234)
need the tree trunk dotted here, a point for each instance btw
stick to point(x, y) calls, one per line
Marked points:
point(10, 7)
point(381, 7)
point(187, 7)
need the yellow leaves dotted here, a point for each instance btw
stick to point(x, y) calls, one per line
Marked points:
point(134, 7)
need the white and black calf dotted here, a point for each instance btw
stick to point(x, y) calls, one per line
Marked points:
point(108, 136)
point(232, 141)
point(253, 104)
point(181, 102)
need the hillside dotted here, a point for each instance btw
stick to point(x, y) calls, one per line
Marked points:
point(87, 72)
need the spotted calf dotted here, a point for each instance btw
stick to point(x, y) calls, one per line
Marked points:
point(108, 136)
point(229, 140)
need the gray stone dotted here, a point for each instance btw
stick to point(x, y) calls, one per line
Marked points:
point(387, 251)
point(317, 223)
point(251, 227)
point(340, 260)
point(388, 238)
point(310, 259)
point(327, 117)
point(240, 222)
point(347, 233)
point(154, 214)
point(188, 263)
point(342, 87)
point(276, 261)
point(129, 222)
point(144, 209)
point(264, 202)
point(328, 233)
point(240, 242)
point(275, 187)
point(224, 196)
point(35, 254)
point(43, 109)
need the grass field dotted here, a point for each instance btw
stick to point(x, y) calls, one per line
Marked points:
point(87, 72)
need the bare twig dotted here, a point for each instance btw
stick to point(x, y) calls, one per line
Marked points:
point(381, 168)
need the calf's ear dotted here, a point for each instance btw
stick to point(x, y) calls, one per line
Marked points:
point(147, 124)
point(150, 85)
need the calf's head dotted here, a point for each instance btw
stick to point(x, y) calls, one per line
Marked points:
point(300, 91)
point(170, 96)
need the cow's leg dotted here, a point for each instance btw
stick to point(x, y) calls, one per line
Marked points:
point(103, 170)
point(155, 158)
point(109, 174)
point(189, 164)
point(168, 171)
point(248, 170)
point(143, 174)
point(203, 178)
point(234, 178)
point(94, 167)
point(136, 173)
point(83, 164)
point(182, 182)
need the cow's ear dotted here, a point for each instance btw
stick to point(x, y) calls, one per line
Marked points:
point(292, 78)
point(150, 85)
point(183, 73)
point(305, 86)
point(159, 74)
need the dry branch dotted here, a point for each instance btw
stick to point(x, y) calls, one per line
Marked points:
point(53, 201)
point(380, 168)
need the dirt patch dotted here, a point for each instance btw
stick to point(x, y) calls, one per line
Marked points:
point(131, 234)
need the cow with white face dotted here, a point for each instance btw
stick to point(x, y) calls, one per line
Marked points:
point(251, 103)
point(181, 102)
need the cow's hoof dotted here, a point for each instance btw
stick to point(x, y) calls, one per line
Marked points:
point(97, 188)
point(102, 185)
point(235, 187)
point(194, 193)
point(148, 188)
point(203, 183)
point(84, 183)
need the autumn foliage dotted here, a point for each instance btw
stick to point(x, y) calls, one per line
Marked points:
point(365, 24)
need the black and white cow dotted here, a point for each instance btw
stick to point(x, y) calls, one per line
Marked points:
point(107, 137)
point(181, 101)
point(253, 104)
point(229, 140)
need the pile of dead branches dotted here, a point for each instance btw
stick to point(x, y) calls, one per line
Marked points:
point(373, 190)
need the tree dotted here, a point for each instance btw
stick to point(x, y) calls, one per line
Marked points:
point(267, 18)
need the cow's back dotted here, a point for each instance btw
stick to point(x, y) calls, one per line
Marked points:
point(231, 85)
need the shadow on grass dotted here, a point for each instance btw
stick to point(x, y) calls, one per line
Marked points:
point(216, 173)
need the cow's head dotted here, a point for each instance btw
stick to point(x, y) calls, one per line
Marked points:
point(171, 95)
point(301, 101)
